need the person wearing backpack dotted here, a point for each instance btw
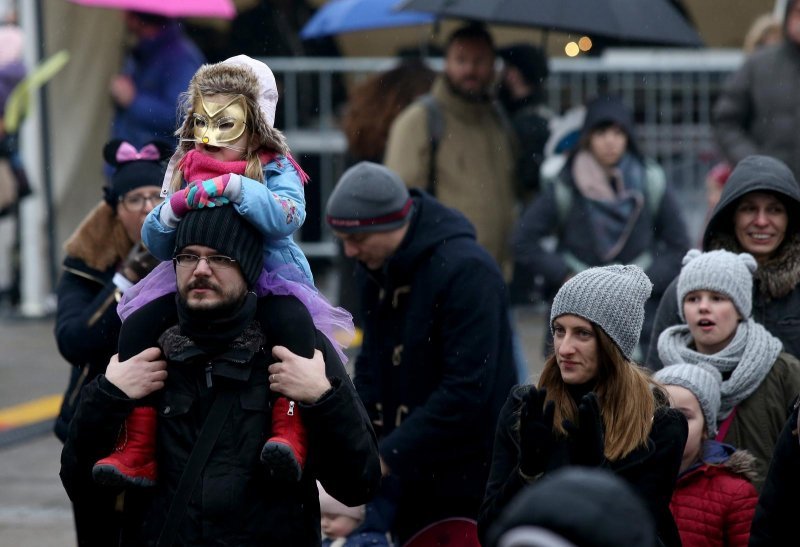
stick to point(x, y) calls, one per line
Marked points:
point(607, 205)
point(457, 144)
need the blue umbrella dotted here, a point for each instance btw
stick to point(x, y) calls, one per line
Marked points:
point(341, 16)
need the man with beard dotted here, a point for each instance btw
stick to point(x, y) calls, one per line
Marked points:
point(212, 402)
point(471, 167)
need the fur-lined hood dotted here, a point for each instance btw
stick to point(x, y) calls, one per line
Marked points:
point(90, 242)
point(720, 455)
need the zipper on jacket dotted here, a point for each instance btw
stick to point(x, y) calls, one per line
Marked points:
point(291, 409)
point(209, 383)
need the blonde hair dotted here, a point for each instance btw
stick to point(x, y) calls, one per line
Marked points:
point(229, 80)
point(624, 390)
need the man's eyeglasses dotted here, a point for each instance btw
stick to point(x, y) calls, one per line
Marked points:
point(136, 202)
point(214, 261)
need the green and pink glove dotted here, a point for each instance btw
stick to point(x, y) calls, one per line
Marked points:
point(198, 195)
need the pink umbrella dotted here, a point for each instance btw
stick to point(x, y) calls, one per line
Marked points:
point(223, 9)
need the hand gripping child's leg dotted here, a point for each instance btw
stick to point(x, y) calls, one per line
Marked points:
point(287, 321)
point(133, 463)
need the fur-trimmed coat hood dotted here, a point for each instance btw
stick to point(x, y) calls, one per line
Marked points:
point(90, 242)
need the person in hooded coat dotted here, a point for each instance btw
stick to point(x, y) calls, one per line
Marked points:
point(608, 205)
point(436, 362)
point(758, 214)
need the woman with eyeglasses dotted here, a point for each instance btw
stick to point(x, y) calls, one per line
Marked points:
point(104, 257)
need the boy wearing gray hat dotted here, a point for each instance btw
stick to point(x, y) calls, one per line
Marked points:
point(759, 380)
point(436, 361)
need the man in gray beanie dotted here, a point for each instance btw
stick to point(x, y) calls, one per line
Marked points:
point(436, 362)
point(212, 410)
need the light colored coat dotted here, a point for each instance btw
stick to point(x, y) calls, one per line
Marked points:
point(474, 164)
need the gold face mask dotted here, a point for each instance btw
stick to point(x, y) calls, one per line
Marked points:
point(217, 124)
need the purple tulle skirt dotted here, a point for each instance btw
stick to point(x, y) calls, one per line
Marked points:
point(334, 322)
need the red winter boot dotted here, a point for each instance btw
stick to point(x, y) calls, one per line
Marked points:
point(133, 462)
point(285, 451)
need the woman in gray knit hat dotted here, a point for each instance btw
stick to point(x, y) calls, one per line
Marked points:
point(759, 380)
point(593, 406)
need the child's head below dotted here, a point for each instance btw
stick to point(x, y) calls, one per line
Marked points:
point(714, 295)
point(695, 391)
point(338, 520)
point(337, 526)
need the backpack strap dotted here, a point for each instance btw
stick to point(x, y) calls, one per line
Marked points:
point(655, 185)
point(435, 120)
point(194, 466)
point(725, 426)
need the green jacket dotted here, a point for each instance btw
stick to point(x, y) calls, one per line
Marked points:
point(760, 418)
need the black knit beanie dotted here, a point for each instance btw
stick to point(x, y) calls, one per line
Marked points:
point(223, 229)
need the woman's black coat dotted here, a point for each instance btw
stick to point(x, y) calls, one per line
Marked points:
point(652, 471)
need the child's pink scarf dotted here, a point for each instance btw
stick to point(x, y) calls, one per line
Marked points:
point(196, 166)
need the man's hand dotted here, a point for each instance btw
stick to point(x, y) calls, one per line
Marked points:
point(122, 90)
point(140, 375)
point(298, 378)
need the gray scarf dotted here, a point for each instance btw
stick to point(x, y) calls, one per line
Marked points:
point(748, 358)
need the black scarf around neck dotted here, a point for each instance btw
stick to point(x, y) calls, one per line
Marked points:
point(216, 330)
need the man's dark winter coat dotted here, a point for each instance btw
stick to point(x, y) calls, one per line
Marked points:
point(234, 501)
point(436, 364)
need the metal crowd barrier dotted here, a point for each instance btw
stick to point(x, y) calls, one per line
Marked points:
point(671, 91)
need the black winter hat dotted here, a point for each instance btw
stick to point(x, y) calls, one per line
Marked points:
point(589, 507)
point(223, 229)
point(528, 59)
point(608, 109)
point(134, 168)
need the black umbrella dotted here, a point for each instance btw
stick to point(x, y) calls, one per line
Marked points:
point(643, 21)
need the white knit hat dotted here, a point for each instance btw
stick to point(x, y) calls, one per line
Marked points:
point(704, 381)
point(328, 504)
point(718, 271)
point(612, 297)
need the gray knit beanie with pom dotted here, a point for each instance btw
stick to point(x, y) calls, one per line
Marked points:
point(611, 297)
point(704, 381)
point(720, 271)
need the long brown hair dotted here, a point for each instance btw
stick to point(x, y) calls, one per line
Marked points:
point(375, 103)
point(625, 393)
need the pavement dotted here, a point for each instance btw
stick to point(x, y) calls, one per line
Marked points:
point(34, 509)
